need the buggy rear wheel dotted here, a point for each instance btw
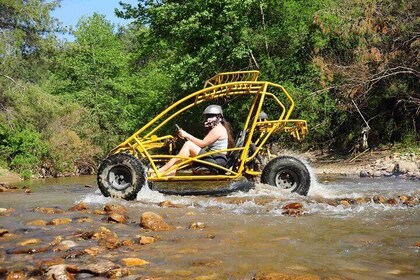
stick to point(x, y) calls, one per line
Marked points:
point(121, 176)
point(287, 173)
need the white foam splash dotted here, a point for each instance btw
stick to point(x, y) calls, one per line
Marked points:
point(146, 195)
point(97, 198)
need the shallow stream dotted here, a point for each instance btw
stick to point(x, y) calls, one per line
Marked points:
point(244, 233)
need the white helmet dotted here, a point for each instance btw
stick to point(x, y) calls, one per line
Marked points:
point(263, 116)
point(213, 110)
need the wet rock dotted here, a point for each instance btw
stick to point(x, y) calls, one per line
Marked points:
point(403, 198)
point(17, 251)
point(293, 212)
point(144, 240)
point(46, 263)
point(28, 191)
point(88, 186)
point(379, 199)
point(74, 254)
point(79, 207)
point(3, 272)
point(62, 272)
point(40, 223)
point(169, 204)
point(65, 245)
point(295, 205)
point(134, 262)
point(101, 267)
point(3, 232)
point(392, 201)
point(6, 211)
point(417, 244)
point(210, 236)
point(332, 202)
point(117, 273)
point(117, 218)
point(197, 225)
point(362, 200)
point(85, 235)
point(99, 212)
point(94, 251)
point(57, 240)
point(109, 241)
point(59, 221)
point(410, 202)
point(29, 242)
point(84, 220)
point(16, 275)
point(103, 231)
point(46, 210)
point(4, 187)
point(284, 276)
point(127, 242)
point(115, 208)
point(293, 209)
point(153, 221)
point(344, 202)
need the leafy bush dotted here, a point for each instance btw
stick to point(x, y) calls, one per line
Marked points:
point(26, 151)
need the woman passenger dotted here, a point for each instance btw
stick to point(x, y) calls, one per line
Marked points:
point(218, 138)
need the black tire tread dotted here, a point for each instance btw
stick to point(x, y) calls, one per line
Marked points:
point(271, 169)
point(139, 177)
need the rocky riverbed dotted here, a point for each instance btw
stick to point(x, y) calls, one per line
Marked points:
point(130, 241)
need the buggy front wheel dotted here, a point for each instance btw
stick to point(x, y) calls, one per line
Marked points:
point(287, 172)
point(121, 176)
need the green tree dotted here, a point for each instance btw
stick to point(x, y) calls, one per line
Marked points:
point(368, 59)
point(26, 32)
point(93, 71)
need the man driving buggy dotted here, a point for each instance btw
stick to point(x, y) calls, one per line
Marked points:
point(219, 137)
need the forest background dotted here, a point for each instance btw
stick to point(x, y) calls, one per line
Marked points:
point(352, 67)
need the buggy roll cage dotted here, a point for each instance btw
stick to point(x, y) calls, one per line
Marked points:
point(145, 141)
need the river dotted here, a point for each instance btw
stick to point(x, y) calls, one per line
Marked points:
point(242, 234)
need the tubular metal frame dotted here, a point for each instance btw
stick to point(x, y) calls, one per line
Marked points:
point(145, 140)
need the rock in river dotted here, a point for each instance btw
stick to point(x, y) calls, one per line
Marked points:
point(153, 221)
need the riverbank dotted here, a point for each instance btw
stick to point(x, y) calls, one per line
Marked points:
point(9, 177)
point(371, 163)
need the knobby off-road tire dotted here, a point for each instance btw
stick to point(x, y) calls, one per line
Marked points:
point(121, 176)
point(287, 172)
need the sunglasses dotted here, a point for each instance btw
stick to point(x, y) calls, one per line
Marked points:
point(210, 115)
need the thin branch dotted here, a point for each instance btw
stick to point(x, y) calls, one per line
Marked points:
point(355, 105)
point(322, 90)
point(11, 79)
point(253, 58)
point(264, 28)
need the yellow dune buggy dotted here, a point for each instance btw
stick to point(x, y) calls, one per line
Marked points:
point(134, 163)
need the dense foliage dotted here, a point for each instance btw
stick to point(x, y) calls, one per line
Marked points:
point(351, 66)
